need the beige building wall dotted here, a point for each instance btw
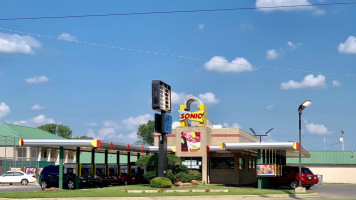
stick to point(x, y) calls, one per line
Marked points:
point(335, 173)
point(7, 151)
point(215, 137)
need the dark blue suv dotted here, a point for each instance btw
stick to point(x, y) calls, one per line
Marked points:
point(49, 177)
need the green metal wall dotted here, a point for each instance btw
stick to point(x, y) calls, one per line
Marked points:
point(327, 157)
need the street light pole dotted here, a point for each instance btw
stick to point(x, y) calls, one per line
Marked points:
point(300, 147)
point(301, 107)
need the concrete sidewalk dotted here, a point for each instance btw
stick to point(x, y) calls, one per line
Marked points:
point(222, 197)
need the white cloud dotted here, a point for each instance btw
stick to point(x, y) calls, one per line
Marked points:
point(67, 36)
point(270, 107)
point(13, 43)
point(318, 129)
point(91, 133)
point(179, 98)
point(272, 54)
point(234, 125)
point(111, 124)
point(349, 47)
point(336, 83)
point(35, 121)
point(42, 119)
point(175, 124)
point(107, 133)
point(287, 6)
point(132, 135)
point(201, 27)
point(133, 122)
point(37, 79)
point(20, 123)
point(4, 110)
point(293, 46)
point(220, 64)
point(309, 82)
point(37, 107)
point(208, 98)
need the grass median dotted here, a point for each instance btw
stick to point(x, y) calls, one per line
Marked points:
point(120, 191)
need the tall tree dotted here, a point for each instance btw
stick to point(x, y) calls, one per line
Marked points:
point(145, 133)
point(57, 129)
point(83, 137)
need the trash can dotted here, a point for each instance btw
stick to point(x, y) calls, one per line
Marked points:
point(320, 177)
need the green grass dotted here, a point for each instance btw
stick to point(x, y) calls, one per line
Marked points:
point(118, 191)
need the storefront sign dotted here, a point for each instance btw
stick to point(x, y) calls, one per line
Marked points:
point(30, 170)
point(266, 170)
point(194, 116)
point(16, 169)
point(190, 141)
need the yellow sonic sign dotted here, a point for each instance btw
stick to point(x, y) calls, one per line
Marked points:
point(194, 116)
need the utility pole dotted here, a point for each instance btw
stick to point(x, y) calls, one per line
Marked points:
point(342, 140)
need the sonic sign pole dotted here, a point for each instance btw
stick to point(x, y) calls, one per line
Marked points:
point(161, 102)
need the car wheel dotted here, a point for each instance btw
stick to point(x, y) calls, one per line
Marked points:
point(293, 184)
point(24, 181)
point(71, 185)
point(307, 187)
point(44, 185)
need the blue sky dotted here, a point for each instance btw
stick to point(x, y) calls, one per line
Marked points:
point(252, 68)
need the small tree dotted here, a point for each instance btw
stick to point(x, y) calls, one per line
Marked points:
point(57, 129)
point(145, 133)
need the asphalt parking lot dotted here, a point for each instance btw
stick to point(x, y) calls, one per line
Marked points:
point(335, 191)
point(17, 187)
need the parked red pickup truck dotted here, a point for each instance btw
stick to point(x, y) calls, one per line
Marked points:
point(290, 178)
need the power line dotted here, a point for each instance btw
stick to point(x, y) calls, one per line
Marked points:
point(323, 146)
point(176, 56)
point(176, 11)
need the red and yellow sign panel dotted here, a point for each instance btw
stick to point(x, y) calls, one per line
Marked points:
point(194, 116)
point(190, 141)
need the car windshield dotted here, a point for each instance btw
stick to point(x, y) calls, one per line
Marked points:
point(306, 170)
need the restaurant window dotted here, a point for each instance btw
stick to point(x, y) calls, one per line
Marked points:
point(250, 163)
point(45, 154)
point(222, 163)
point(33, 151)
point(21, 152)
point(192, 163)
point(241, 163)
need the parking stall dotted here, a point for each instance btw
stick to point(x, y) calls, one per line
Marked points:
point(88, 172)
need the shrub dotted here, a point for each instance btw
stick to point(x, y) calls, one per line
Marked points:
point(149, 175)
point(180, 168)
point(195, 175)
point(182, 176)
point(173, 161)
point(161, 182)
point(151, 161)
point(171, 177)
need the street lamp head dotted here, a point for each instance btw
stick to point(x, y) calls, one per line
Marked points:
point(269, 131)
point(253, 131)
point(304, 105)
